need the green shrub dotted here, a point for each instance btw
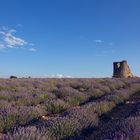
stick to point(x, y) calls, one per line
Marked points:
point(13, 77)
point(75, 101)
point(63, 129)
point(55, 106)
point(7, 122)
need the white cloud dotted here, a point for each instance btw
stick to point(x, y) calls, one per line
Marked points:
point(2, 46)
point(32, 49)
point(58, 76)
point(98, 41)
point(13, 41)
point(9, 40)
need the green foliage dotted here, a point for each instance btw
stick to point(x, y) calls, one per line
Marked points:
point(13, 77)
point(63, 129)
point(3, 88)
point(3, 97)
point(55, 106)
point(75, 101)
point(23, 101)
point(44, 96)
point(7, 122)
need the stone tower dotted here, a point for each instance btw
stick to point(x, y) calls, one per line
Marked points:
point(122, 70)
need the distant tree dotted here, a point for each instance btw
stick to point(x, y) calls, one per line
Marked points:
point(13, 77)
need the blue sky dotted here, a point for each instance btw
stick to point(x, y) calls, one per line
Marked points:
point(78, 38)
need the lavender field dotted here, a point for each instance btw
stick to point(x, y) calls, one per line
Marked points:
point(70, 109)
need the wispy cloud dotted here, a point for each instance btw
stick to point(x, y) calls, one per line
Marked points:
point(57, 76)
point(12, 41)
point(2, 46)
point(98, 41)
point(105, 53)
point(8, 39)
point(32, 49)
point(19, 25)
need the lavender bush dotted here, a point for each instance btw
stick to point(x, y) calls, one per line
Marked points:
point(77, 103)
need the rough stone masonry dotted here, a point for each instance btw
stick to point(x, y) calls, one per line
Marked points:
point(122, 70)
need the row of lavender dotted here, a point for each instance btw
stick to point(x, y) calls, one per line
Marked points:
point(60, 96)
point(125, 129)
point(32, 98)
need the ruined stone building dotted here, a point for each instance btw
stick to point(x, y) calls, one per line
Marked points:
point(122, 70)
